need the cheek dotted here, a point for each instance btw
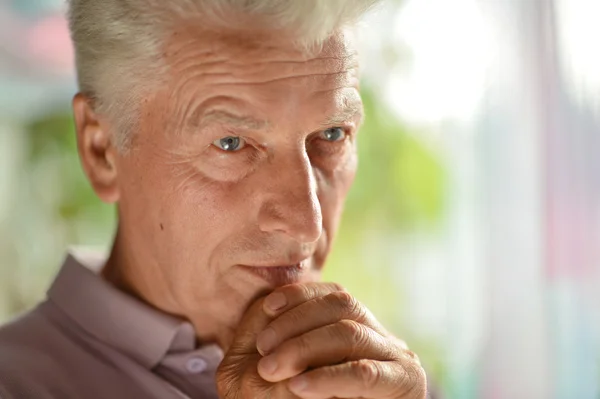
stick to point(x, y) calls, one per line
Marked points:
point(202, 207)
point(176, 213)
point(347, 173)
point(332, 194)
point(335, 184)
point(333, 189)
point(193, 222)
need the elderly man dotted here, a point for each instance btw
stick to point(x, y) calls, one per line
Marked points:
point(225, 131)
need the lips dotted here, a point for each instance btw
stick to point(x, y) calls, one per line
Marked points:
point(279, 275)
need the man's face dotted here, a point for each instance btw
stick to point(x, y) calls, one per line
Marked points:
point(236, 179)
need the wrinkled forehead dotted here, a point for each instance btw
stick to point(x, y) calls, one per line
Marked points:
point(256, 72)
point(240, 48)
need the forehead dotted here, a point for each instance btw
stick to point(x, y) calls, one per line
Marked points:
point(260, 68)
point(255, 45)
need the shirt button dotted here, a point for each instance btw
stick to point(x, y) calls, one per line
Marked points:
point(196, 365)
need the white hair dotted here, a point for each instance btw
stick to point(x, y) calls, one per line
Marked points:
point(118, 43)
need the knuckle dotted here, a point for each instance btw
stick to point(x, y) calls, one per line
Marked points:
point(342, 298)
point(291, 319)
point(348, 305)
point(352, 331)
point(303, 292)
point(368, 372)
point(303, 345)
point(412, 356)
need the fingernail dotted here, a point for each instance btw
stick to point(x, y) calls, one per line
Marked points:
point(298, 384)
point(266, 341)
point(268, 364)
point(275, 301)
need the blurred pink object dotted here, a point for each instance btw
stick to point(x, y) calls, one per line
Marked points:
point(48, 42)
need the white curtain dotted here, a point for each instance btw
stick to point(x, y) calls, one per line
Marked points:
point(537, 178)
point(508, 92)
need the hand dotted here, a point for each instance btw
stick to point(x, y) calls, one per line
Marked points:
point(331, 346)
point(322, 343)
point(237, 376)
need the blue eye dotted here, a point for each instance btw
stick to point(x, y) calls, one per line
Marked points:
point(334, 134)
point(230, 143)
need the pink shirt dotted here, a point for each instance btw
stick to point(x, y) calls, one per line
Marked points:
point(89, 340)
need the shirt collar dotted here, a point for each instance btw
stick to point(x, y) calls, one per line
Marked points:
point(115, 318)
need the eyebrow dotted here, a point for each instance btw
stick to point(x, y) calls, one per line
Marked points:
point(227, 118)
point(351, 111)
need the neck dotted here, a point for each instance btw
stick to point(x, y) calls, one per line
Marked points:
point(114, 269)
point(123, 271)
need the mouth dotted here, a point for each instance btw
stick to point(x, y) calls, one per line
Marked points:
point(279, 275)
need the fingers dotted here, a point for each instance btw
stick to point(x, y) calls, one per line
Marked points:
point(290, 296)
point(261, 312)
point(362, 378)
point(312, 314)
point(252, 323)
point(258, 316)
point(241, 357)
point(237, 375)
point(332, 344)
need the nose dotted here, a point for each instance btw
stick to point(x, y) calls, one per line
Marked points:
point(291, 204)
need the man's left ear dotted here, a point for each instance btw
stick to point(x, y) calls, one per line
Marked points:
point(96, 150)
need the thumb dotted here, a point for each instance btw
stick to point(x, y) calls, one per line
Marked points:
point(253, 322)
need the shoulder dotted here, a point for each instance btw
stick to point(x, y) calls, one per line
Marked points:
point(29, 367)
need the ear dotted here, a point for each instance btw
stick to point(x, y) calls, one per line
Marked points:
point(96, 151)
